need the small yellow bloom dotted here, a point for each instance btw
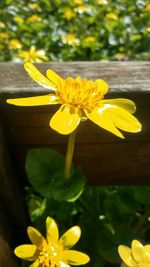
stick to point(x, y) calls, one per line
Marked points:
point(90, 40)
point(34, 18)
point(102, 2)
point(18, 19)
point(136, 256)
point(69, 14)
point(81, 9)
point(111, 16)
point(15, 44)
point(80, 99)
point(2, 25)
point(147, 8)
point(34, 6)
point(70, 39)
point(120, 56)
point(4, 35)
point(33, 55)
point(147, 28)
point(52, 251)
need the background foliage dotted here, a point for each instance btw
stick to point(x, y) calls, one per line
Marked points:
point(74, 30)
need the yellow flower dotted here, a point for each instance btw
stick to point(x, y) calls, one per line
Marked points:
point(15, 44)
point(34, 18)
point(136, 256)
point(4, 35)
point(70, 39)
point(77, 2)
point(69, 14)
point(90, 40)
point(120, 56)
point(18, 19)
point(52, 251)
point(80, 99)
point(33, 55)
point(2, 25)
point(34, 6)
point(147, 8)
point(81, 9)
point(111, 16)
point(147, 28)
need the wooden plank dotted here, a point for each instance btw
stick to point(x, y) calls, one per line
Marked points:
point(11, 192)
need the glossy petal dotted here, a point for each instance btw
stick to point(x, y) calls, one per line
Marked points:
point(53, 77)
point(146, 253)
point(121, 102)
point(126, 256)
point(52, 233)
point(74, 257)
point(62, 264)
point(123, 120)
point(102, 119)
point(35, 101)
point(137, 250)
point(102, 85)
point(35, 264)
point(38, 77)
point(26, 252)
point(71, 237)
point(65, 120)
point(36, 238)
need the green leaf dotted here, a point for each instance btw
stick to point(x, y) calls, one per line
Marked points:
point(142, 194)
point(45, 170)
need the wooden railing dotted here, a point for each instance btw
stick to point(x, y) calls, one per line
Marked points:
point(104, 158)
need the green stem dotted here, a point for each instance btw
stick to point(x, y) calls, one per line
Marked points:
point(69, 154)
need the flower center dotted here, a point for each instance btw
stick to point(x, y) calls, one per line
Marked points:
point(79, 92)
point(50, 256)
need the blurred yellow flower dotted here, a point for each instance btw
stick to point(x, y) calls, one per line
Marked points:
point(120, 56)
point(34, 18)
point(15, 44)
point(70, 39)
point(77, 2)
point(69, 13)
point(90, 40)
point(81, 9)
point(34, 6)
point(33, 55)
point(136, 256)
point(147, 8)
point(52, 251)
point(111, 16)
point(102, 2)
point(4, 35)
point(2, 25)
point(18, 19)
point(147, 28)
point(81, 99)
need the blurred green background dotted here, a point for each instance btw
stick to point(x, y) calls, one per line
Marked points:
point(47, 30)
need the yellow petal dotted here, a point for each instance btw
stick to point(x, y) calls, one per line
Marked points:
point(101, 118)
point(102, 85)
point(52, 233)
point(71, 237)
point(35, 101)
point(62, 264)
point(35, 264)
point(126, 256)
point(65, 120)
point(123, 120)
point(74, 257)
point(36, 238)
point(26, 252)
point(146, 254)
point(53, 77)
point(38, 77)
point(137, 250)
point(126, 104)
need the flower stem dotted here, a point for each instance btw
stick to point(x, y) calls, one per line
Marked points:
point(69, 155)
